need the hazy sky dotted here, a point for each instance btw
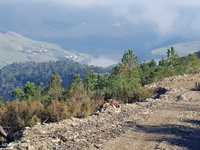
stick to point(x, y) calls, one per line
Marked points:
point(104, 27)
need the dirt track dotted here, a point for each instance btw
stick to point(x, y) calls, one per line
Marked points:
point(172, 123)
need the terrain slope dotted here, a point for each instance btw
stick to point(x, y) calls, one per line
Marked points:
point(170, 122)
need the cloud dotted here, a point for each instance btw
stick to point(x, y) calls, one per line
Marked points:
point(103, 24)
point(163, 16)
point(82, 3)
point(102, 61)
point(117, 24)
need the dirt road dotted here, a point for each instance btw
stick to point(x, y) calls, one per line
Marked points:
point(171, 123)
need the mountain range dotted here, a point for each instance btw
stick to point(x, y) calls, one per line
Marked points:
point(182, 49)
point(15, 48)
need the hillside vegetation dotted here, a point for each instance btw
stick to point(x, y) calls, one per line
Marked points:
point(169, 122)
point(35, 104)
point(18, 74)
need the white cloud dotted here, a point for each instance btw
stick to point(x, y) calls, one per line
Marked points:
point(102, 61)
point(162, 15)
point(117, 24)
point(75, 3)
point(82, 3)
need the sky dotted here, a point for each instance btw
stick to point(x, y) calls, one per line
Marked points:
point(104, 28)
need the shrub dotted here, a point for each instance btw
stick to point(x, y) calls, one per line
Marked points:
point(18, 115)
point(74, 108)
point(80, 102)
point(82, 108)
point(87, 108)
point(29, 92)
point(55, 89)
point(2, 111)
point(140, 95)
point(56, 111)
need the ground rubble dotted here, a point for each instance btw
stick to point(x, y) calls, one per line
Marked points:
point(170, 122)
point(74, 133)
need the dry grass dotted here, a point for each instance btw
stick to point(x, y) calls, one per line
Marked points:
point(16, 115)
point(57, 111)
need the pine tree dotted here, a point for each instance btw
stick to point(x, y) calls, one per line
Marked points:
point(55, 87)
point(77, 89)
point(126, 77)
point(91, 82)
point(18, 94)
point(29, 92)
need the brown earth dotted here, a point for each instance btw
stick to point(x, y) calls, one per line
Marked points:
point(171, 122)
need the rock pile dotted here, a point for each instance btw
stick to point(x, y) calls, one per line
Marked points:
point(180, 81)
point(75, 134)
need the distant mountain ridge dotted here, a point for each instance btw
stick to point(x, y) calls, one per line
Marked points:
point(15, 48)
point(183, 49)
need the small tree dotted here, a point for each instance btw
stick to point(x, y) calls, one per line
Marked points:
point(18, 94)
point(96, 84)
point(91, 82)
point(126, 77)
point(2, 101)
point(147, 72)
point(80, 103)
point(77, 89)
point(172, 56)
point(55, 90)
point(31, 91)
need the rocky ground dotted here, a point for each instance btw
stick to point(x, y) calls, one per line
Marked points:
point(170, 122)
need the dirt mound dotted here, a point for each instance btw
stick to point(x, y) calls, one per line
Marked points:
point(184, 81)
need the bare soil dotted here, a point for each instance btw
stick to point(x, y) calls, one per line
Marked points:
point(173, 123)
